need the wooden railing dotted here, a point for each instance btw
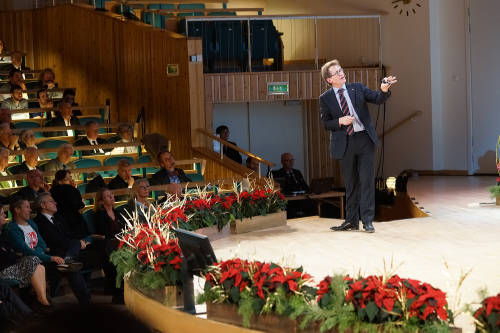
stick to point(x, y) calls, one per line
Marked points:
point(204, 11)
point(65, 128)
point(238, 149)
point(40, 110)
point(401, 123)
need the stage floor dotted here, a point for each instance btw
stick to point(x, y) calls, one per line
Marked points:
point(459, 231)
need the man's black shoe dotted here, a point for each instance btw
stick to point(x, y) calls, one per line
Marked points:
point(346, 226)
point(368, 226)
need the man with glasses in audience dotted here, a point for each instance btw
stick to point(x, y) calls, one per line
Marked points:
point(344, 112)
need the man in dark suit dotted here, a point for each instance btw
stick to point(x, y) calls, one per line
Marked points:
point(91, 139)
point(123, 179)
point(344, 112)
point(290, 179)
point(54, 231)
point(223, 132)
point(64, 118)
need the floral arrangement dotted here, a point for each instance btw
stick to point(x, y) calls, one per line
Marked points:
point(257, 288)
point(149, 253)
point(371, 304)
point(206, 209)
point(487, 317)
point(495, 189)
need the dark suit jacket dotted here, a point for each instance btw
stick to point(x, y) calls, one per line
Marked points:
point(232, 154)
point(104, 225)
point(54, 234)
point(69, 202)
point(162, 177)
point(59, 121)
point(118, 183)
point(290, 183)
point(330, 112)
point(85, 142)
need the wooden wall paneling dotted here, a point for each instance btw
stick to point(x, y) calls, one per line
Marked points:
point(16, 31)
point(196, 94)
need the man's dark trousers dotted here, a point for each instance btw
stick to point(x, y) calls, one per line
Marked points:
point(357, 168)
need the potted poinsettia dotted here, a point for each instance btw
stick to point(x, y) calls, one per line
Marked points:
point(487, 317)
point(256, 294)
point(377, 303)
point(149, 258)
point(495, 189)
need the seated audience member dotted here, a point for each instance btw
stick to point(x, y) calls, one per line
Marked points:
point(4, 162)
point(123, 179)
point(64, 117)
point(54, 231)
point(36, 186)
point(61, 162)
point(91, 139)
point(23, 236)
point(223, 132)
point(139, 199)
point(43, 101)
point(16, 59)
point(69, 202)
point(168, 174)
point(27, 270)
point(252, 164)
point(7, 139)
point(291, 179)
point(47, 78)
point(15, 79)
point(27, 139)
point(292, 182)
point(30, 162)
point(106, 219)
point(126, 134)
point(69, 97)
point(16, 102)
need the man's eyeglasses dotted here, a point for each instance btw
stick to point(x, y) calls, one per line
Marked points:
point(340, 71)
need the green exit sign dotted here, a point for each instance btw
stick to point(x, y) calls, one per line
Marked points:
point(277, 88)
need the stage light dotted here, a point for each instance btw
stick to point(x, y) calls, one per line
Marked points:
point(391, 183)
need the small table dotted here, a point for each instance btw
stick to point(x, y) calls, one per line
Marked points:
point(321, 198)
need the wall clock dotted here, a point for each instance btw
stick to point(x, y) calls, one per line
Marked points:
point(406, 6)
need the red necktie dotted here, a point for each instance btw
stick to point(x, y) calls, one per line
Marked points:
point(345, 109)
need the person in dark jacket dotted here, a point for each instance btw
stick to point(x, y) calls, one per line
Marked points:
point(69, 202)
point(91, 139)
point(64, 117)
point(123, 179)
point(36, 186)
point(223, 132)
point(169, 174)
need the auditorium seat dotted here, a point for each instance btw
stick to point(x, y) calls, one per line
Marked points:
point(28, 124)
point(50, 143)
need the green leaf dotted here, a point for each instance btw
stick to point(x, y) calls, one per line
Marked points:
point(371, 310)
point(234, 294)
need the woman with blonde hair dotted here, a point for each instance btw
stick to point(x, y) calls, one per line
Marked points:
point(139, 199)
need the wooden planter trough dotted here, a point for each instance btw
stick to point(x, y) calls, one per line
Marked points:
point(168, 295)
point(228, 313)
point(258, 223)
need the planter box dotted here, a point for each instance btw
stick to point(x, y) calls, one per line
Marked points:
point(168, 295)
point(258, 223)
point(228, 313)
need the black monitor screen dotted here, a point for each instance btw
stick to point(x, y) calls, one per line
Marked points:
point(196, 249)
